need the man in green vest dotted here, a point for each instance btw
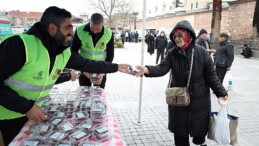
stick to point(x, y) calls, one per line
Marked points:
point(30, 65)
point(95, 42)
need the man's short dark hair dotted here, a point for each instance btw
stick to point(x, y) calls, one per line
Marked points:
point(97, 18)
point(54, 15)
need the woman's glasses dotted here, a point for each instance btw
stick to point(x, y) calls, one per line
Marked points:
point(179, 35)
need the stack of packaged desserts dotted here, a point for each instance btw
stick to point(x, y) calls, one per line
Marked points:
point(73, 118)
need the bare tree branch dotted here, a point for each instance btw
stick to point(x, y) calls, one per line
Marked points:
point(117, 12)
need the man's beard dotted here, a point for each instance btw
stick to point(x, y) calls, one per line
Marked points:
point(61, 39)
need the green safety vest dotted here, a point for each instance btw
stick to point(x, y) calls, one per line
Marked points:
point(33, 80)
point(88, 50)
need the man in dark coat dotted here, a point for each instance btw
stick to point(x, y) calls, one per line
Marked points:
point(203, 41)
point(160, 45)
point(191, 120)
point(224, 56)
point(150, 40)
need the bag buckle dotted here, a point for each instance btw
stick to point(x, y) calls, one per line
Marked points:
point(175, 99)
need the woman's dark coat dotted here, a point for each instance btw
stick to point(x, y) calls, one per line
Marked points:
point(192, 119)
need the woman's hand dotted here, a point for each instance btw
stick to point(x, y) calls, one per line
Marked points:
point(141, 70)
point(223, 101)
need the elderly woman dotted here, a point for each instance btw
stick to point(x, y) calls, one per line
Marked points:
point(191, 120)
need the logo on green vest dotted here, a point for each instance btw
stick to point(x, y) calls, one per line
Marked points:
point(102, 45)
point(56, 75)
point(38, 76)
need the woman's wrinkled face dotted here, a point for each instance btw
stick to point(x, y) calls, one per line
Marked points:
point(178, 38)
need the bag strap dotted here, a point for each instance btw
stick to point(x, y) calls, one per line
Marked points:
point(189, 78)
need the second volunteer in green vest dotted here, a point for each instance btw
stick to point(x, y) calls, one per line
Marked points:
point(95, 42)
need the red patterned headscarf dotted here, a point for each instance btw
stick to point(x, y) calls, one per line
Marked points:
point(186, 37)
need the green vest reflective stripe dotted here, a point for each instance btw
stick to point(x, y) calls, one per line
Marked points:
point(26, 86)
point(33, 80)
point(88, 50)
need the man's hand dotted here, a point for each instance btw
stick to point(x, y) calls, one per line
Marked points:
point(88, 75)
point(142, 70)
point(223, 101)
point(211, 50)
point(74, 75)
point(124, 68)
point(228, 68)
point(36, 114)
point(98, 79)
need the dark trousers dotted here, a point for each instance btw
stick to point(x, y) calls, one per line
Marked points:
point(160, 52)
point(10, 128)
point(122, 40)
point(184, 141)
point(221, 72)
point(84, 81)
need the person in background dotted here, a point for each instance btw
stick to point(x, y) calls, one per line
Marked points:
point(27, 75)
point(123, 36)
point(94, 41)
point(132, 37)
point(224, 56)
point(169, 46)
point(191, 120)
point(150, 40)
point(127, 36)
point(136, 37)
point(203, 41)
point(246, 51)
point(160, 45)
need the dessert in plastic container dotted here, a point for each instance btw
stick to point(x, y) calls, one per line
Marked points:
point(32, 141)
point(43, 129)
point(64, 143)
point(86, 105)
point(66, 127)
point(97, 112)
point(54, 108)
point(56, 136)
point(98, 121)
point(81, 115)
point(84, 97)
point(102, 133)
point(84, 90)
point(47, 103)
point(56, 121)
point(89, 143)
point(85, 126)
point(79, 136)
point(59, 115)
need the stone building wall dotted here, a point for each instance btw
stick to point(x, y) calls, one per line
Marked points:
point(236, 20)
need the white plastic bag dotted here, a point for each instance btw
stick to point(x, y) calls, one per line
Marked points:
point(220, 129)
point(228, 81)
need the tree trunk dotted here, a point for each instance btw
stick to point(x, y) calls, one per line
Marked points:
point(256, 19)
point(216, 20)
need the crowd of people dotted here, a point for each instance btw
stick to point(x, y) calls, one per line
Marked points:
point(43, 52)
